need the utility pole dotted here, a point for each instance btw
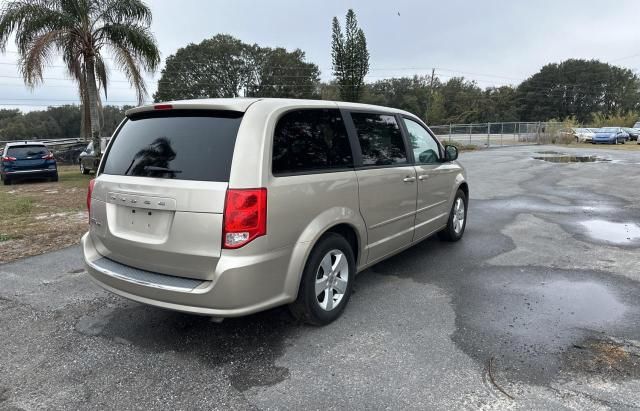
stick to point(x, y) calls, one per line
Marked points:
point(433, 75)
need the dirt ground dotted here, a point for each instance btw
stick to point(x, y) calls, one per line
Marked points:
point(38, 216)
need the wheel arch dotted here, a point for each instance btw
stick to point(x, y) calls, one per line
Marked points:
point(350, 225)
point(465, 189)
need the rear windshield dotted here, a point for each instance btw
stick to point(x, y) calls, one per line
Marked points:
point(185, 145)
point(22, 152)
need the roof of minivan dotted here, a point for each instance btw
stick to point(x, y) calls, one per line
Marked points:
point(242, 104)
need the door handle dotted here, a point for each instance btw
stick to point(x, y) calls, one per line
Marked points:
point(423, 177)
point(409, 179)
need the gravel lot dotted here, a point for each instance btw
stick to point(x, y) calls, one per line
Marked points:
point(536, 308)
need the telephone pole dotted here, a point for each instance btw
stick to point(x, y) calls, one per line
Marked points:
point(433, 76)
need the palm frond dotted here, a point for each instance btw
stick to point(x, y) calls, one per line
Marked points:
point(30, 19)
point(102, 74)
point(134, 49)
point(128, 64)
point(119, 11)
point(38, 56)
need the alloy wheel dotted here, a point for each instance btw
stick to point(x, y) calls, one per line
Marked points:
point(332, 278)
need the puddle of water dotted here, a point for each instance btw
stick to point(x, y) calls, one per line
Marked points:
point(617, 233)
point(572, 159)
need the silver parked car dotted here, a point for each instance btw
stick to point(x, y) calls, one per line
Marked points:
point(87, 159)
point(226, 207)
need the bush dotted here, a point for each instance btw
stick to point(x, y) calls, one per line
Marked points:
point(627, 119)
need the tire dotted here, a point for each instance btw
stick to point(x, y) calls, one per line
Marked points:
point(6, 182)
point(454, 229)
point(83, 170)
point(313, 307)
point(54, 178)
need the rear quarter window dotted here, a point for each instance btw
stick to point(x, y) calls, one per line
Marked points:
point(184, 145)
point(310, 140)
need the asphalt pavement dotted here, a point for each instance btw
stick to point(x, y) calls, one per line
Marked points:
point(537, 307)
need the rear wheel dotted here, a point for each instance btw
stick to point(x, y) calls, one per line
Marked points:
point(6, 181)
point(457, 219)
point(54, 178)
point(83, 170)
point(326, 283)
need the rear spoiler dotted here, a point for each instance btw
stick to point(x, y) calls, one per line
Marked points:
point(231, 104)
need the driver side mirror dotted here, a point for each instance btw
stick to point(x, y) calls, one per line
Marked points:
point(450, 153)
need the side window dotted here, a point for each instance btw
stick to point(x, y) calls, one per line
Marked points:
point(311, 140)
point(380, 139)
point(425, 149)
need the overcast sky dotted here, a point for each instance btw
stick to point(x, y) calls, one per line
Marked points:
point(494, 42)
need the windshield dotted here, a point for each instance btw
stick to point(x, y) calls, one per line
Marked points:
point(185, 145)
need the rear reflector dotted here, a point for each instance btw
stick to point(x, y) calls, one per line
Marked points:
point(92, 182)
point(245, 216)
point(163, 107)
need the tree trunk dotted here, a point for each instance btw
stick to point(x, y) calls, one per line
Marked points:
point(92, 93)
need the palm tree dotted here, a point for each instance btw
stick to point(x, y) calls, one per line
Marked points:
point(81, 31)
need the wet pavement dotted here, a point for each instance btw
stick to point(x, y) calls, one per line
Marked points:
point(544, 287)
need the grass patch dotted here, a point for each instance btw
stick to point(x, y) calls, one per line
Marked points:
point(460, 146)
point(22, 206)
point(15, 205)
point(43, 216)
point(5, 237)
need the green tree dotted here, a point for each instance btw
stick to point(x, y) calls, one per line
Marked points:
point(578, 88)
point(407, 93)
point(280, 73)
point(214, 68)
point(224, 66)
point(79, 31)
point(350, 57)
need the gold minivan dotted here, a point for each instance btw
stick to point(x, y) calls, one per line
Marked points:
point(227, 207)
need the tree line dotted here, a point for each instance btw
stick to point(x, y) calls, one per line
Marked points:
point(588, 92)
point(54, 122)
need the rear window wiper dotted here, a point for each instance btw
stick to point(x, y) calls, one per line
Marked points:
point(162, 169)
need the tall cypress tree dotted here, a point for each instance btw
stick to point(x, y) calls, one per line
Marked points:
point(350, 57)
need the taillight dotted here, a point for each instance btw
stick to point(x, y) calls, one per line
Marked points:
point(245, 216)
point(92, 182)
point(163, 107)
point(7, 158)
point(48, 157)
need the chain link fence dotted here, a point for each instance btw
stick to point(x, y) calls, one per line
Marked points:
point(502, 134)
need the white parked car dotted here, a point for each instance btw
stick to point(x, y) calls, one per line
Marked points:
point(584, 135)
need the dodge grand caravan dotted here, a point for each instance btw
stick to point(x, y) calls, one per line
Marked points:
point(226, 207)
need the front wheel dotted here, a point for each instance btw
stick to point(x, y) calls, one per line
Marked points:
point(326, 283)
point(457, 219)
